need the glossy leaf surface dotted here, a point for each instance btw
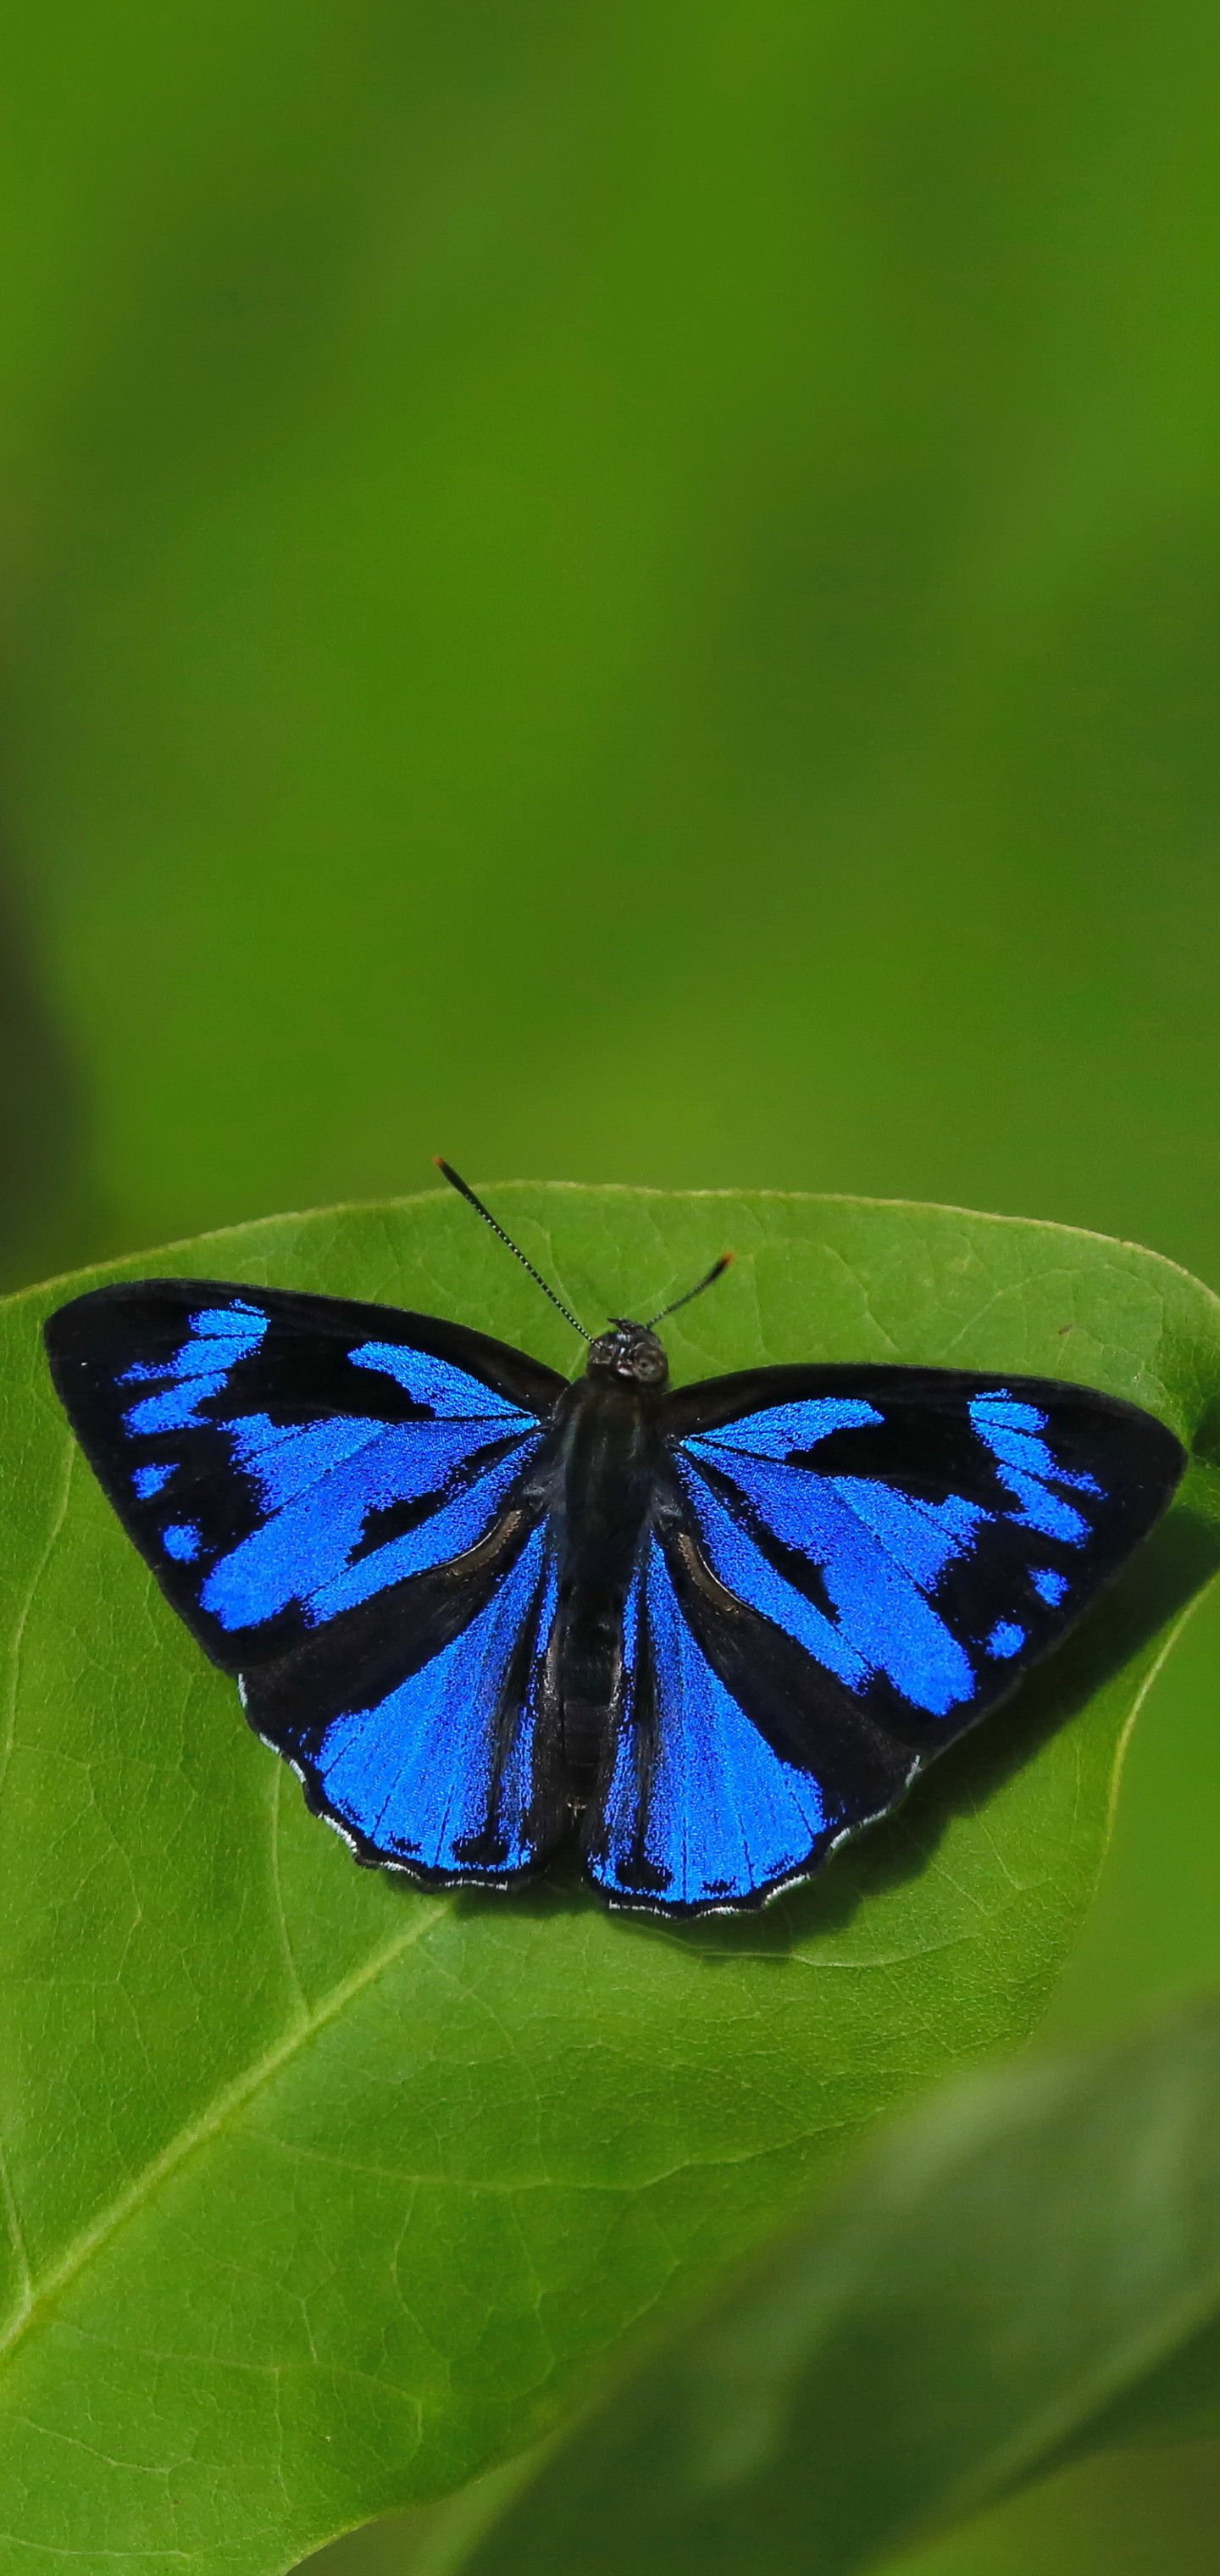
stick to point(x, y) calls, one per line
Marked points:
point(323, 2195)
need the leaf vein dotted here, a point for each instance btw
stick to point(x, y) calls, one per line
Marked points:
point(199, 2133)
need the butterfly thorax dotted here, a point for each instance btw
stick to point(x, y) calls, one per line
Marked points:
point(609, 1448)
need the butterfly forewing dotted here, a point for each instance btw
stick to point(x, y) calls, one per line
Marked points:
point(279, 1458)
point(922, 1536)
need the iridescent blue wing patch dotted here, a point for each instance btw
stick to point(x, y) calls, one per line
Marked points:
point(427, 1735)
point(920, 1536)
point(702, 1810)
point(281, 1459)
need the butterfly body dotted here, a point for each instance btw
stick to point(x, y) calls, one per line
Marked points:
point(608, 1473)
point(712, 1630)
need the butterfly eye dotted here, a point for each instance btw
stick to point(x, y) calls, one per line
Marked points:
point(649, 1364)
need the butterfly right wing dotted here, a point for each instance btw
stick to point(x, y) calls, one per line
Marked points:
point(848, 1568)
point(699, 1811)
point(924, 1536)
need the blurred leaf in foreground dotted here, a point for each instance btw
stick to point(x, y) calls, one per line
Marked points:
point(1026, 2270)
point(324, 2196)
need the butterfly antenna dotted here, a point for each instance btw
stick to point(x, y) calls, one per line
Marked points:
point(717, 1271)
point(464, 1191)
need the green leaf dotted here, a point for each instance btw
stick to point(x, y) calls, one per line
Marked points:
point(1025, 2270)
point(325, 2195)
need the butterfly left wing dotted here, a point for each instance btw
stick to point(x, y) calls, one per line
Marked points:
point(424, 1726)
point(345, 1505)
point(280, 1458)
point(851, 1566)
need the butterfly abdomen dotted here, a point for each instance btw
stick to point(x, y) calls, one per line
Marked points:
point(611, 1454)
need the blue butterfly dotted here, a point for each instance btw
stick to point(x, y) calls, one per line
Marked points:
point(474, 1605)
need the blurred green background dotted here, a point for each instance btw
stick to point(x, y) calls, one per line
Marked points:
point(630, 594)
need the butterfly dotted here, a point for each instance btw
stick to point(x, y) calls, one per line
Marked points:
point(476, 1606)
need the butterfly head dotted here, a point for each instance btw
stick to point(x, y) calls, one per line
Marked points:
point(631, 1352)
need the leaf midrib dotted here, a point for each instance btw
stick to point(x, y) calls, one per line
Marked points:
point(199, 2133)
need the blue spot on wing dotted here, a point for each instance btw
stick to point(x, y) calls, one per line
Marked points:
point(236, 1323)
point(446, 1390)
point(1028, 1466)
point(699, 1809)
point(149, 1481)
point(778, 1429)
point(1049, 1586)
point(182, 1541)
point(444, 1773)
point(222, 1320)
point(1006, 1640)
point(177, 1408)
point(219, 1337)
point(1010, 1429)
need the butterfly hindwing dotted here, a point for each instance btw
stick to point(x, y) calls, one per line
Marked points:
point(703, 1808)
point(423, 1726)
point(280, 1458)
point(922, 1535)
